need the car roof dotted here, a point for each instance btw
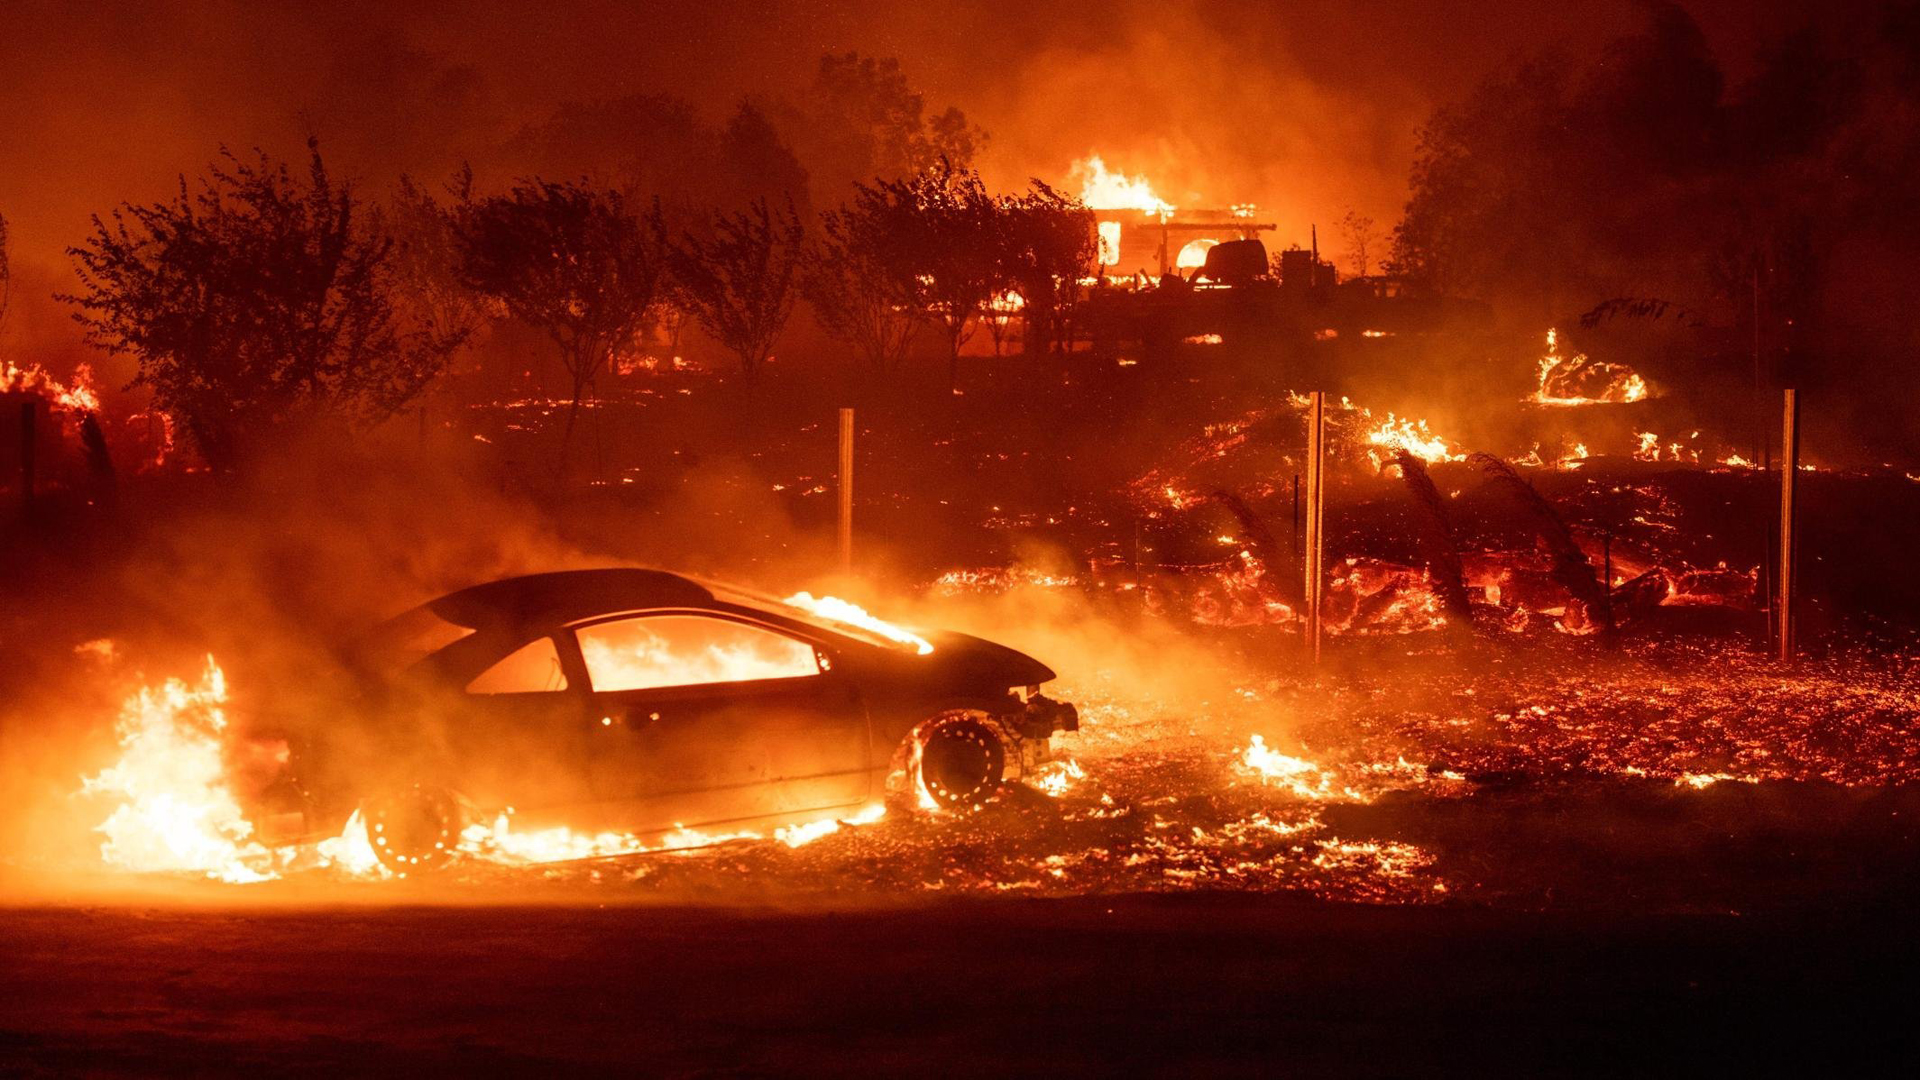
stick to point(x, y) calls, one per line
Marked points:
point(566, 596)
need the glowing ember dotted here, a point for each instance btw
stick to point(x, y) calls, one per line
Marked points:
point(834, 609)
point(1576, 380)
point(176, 809)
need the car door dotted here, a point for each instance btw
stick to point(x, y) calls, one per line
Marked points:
point(701, 718)
point(516, 739)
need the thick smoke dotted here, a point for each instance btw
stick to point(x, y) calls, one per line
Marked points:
point(1306, 110)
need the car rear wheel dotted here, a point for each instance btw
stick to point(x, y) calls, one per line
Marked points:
point(962, 761)
point(414, 830)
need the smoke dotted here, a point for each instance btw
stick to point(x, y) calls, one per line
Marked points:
point(1306, 110)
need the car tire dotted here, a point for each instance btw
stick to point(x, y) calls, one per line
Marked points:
point(959, 761)
point(414, 830)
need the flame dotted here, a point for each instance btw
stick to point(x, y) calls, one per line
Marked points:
point(1564, 380)
point(1298, 775)
point(1058, 777)
point(834, 609)
point(78, 396)
point(177, 811)
point(634, 654)
point(1104, 190)
point(1109, 232)
point(800, 835)
point(352, 851)
point(1414, 437)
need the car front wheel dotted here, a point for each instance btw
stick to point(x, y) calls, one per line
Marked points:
point(414, 830)
point(959, 761)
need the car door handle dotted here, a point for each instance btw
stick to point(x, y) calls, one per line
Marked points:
point(630, 719)
point(636, 719)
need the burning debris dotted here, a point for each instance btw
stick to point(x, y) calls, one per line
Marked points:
point(1572, 381)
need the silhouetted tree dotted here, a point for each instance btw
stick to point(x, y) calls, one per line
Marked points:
point(741, 278)
point(253, 300)
point(758, 164)
point(865, 122)
point(571, 260)
point(1644, 175)
point(862, 283)
point(1047, 245)
point(953, 233)
point(1359, 234)
point(651, 143)
point(427, 258)
point(6, 273)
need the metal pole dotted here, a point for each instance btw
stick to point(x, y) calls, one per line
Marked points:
point(1789, 476)
point(1316, 507)
point(846, 491)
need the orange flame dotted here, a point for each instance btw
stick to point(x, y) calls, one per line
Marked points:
point(177, 811)
point(1104, 190)
point(834, 609)
point(1564, 380)
point(78, 396)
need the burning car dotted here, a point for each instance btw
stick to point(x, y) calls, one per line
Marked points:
point(644, 701)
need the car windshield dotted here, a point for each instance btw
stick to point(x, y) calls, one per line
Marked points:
point(899, 641)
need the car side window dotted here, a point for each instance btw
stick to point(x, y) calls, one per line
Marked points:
point(652, 651)
point(532, 668)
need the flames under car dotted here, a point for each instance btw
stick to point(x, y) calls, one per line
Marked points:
point(644, 701)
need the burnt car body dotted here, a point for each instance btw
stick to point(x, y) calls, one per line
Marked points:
point(643, 701)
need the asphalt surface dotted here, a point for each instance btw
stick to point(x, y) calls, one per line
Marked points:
point(1094, 986)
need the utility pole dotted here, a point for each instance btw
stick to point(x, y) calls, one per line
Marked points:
point(846, 491)
point(1316, 509)
point(1789, 477)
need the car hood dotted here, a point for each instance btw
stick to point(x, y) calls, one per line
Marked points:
point(972, 660)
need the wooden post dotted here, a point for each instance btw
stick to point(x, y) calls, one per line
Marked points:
point(846, 491)
point(1316, 508)
point(26, 456)
point(1789, 477)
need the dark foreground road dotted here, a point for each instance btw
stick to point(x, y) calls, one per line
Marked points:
point(1103, 986)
